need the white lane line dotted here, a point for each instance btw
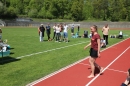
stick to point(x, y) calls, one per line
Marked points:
point(49, 50)
point(60, 70)
point(116, 70)
point(107, 66)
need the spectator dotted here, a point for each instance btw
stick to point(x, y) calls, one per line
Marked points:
point(72, 29)
point(120, 35)
point(61, 32)
point(85, 34)
point(41, 31)
point(48, 31)
point(58, 33)
point(103, 43)
point(127, 81)
point(54, 28)
point(105, 31)
point(66, 33)
point(4, 45)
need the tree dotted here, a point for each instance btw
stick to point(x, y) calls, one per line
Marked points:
point(33, 13)
point(115, 8)
point(127, 9)
point(87, 9)
point(42, 13)
point(76, 10)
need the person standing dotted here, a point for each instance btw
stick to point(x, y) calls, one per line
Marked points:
point(54, 28)
point(61, 32)
point(0, 33)
point(65, 33)
point(58, 33)
point(48, 31)
point(105, 31)
point(41, 31)
point(94, 50)
point(72, 29)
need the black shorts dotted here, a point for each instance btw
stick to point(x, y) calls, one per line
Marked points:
point(93, 53)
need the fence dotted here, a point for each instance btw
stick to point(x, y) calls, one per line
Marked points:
point(2, 23)
point(81, 24)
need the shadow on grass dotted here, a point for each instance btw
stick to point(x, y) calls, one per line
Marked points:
point(11, 48)
point(7, 59)
point(11, 53)
point(45, 40)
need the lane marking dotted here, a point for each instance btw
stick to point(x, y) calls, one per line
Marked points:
point(49, 50)
point(107, 66)
point(60, 70)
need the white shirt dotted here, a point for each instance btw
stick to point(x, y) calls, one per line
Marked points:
point(121, 33)
point(54, 27)
point(65, 28)
point(57, 29)
point(103, 41)
point(3, 49)
point(105, 30)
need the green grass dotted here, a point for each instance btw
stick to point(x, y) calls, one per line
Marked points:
point(25, 41)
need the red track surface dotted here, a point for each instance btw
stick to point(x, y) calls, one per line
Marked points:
point(77, 74)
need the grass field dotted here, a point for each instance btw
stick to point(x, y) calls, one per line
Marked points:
point(19, 69)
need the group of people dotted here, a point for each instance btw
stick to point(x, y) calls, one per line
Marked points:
point(60, 32)
point(41, 31)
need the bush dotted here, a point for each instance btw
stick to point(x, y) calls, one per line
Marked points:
point(115, 17)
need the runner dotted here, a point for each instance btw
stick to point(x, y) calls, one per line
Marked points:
point(94, 50)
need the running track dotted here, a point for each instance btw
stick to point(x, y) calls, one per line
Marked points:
point(115, 60)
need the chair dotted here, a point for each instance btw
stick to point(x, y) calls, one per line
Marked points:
point(5, 53)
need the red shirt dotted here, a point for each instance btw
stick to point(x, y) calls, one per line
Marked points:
point(94, 43)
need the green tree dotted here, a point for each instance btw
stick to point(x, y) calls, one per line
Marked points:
point(17, 5)
point(11, 12)
point(42, 13)
point(126, 9)
point(76, 10)
point(33, 13)
point(115, 8)
point(87, 9)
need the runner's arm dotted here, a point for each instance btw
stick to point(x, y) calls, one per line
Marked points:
point(87, 46)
